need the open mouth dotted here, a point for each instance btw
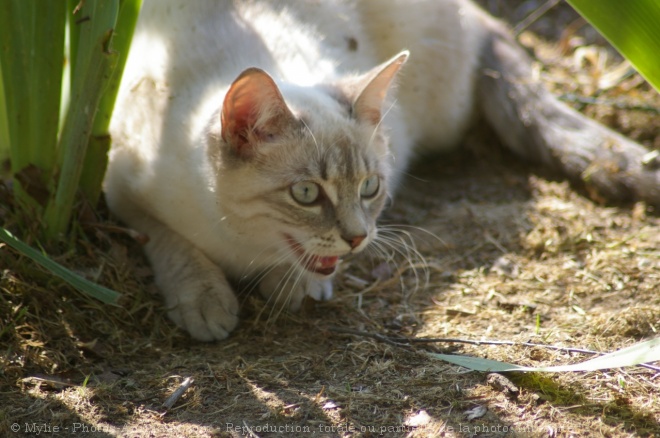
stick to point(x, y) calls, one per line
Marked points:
point(313, 263)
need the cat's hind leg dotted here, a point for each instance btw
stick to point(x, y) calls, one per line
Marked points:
point(535, 125)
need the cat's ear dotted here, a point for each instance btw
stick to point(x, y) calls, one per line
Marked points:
point(369, 103)
point(253, 111)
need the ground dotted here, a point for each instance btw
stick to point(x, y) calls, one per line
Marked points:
point(505, 252)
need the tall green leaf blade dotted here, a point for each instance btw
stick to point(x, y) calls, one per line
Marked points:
point(16, 29)
point(96, 159)
point(99, 292)
point(46, 81)
point(93, 69)
point(32, 55)
point(632, 27)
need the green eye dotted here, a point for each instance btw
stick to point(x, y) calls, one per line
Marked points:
point(370, 187)
point(305, 192)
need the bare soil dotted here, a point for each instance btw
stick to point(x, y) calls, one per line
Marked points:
point(505, 252)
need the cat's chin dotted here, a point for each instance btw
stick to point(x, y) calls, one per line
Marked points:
point(321, 265)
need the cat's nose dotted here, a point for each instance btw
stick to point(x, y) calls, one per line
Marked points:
point(354, 241)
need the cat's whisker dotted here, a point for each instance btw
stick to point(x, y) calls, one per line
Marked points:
point(280, 298)
point(398, 227)
point(284, 287)
point(272, 299)
point(402, 244)
point(375, 251)
point(404, 240)
point(254, 270)
point(316, 143)
point(279, 305)
point(255, 280)
point(380, 122)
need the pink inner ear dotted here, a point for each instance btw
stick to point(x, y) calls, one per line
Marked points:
point(368, 113)
point(239, 111)
point(253, 110)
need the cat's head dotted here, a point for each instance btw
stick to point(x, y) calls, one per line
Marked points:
point(302, 172)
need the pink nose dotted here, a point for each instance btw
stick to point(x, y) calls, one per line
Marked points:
point(354, 241)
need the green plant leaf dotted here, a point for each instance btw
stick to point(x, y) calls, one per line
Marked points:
point(94, 290)
point(93, 69)
point(647, 351)
point(32, 55)
point(96, 158)
point(632, 27)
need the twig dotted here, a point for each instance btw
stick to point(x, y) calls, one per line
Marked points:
point(176, 395)
point(404, 342)
point(586, 100)
point(397, 342)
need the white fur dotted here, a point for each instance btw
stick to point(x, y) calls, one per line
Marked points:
point(185, 56)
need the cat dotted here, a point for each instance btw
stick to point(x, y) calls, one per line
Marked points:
point(257, 142)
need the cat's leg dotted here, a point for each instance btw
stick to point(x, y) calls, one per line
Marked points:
point(535, 125)
point(197, 294)
point(284, 287)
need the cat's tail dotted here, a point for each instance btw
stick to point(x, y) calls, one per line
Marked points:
point(535, 125)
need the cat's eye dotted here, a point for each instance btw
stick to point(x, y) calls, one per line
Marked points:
point(370, 186)
point(305, 192)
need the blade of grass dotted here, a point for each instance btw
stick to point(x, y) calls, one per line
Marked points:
point(96, 159)
point(632, 27)
point(32, 55)
point(93, 69)
point(94, 290)
point(642, 352)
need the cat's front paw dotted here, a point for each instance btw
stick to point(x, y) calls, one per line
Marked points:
point(286, 290)
point(204, 306)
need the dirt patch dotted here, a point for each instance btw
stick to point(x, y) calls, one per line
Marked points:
point(503, 254)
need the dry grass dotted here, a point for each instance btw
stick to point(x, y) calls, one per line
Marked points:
point(518, 257)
